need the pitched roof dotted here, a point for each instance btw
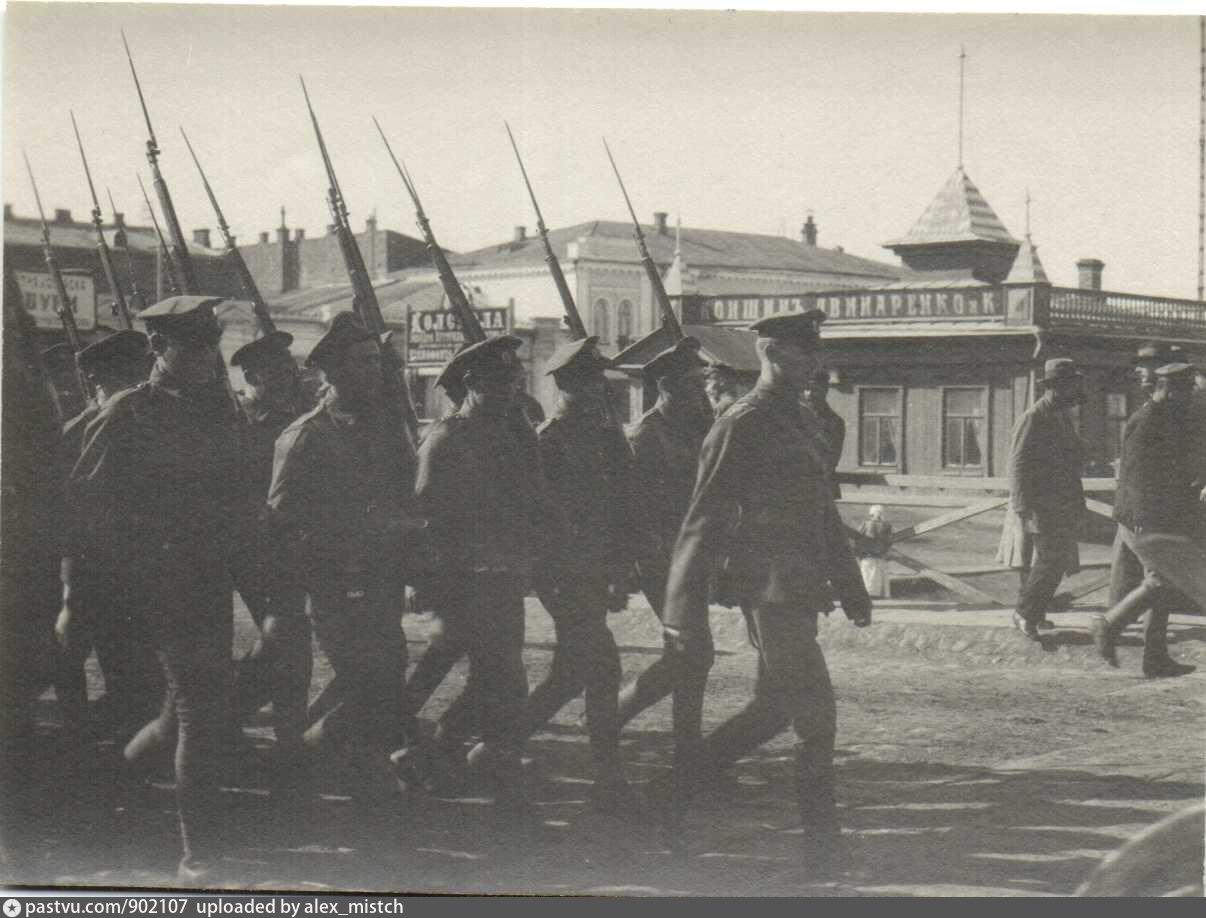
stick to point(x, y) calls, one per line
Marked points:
point(701, 248)
point(1027, 269)
point(958, 213)
point(718, 344)
point(395, 293)
point(28, 231)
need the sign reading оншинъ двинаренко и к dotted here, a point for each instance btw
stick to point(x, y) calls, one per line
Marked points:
point(434, 335)
point(945, 303)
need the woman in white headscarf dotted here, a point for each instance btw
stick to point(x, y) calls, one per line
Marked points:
point(876, 539)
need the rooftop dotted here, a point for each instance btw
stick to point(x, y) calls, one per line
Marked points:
point(701, 248)
point(28, 231)
point(958, 213)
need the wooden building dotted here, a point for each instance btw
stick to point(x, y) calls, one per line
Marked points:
point(930, 373)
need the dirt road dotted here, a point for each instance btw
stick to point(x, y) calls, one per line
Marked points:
point(970, 762)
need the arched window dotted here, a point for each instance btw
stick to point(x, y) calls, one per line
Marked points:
point(624, 324)
point(602, 321)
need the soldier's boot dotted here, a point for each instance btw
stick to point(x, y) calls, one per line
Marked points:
point(436, 766)
point(1157, 664)
point(822, 849)
point(501, 770)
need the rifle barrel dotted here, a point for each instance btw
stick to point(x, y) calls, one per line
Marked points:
point(120, 307)
point(136, 298)
point(164, 255)
point(152, 144)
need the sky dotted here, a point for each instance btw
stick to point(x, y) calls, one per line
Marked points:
point(740, 121)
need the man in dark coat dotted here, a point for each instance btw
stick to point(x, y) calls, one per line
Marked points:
point(1158, 493)
point(278, 666)
point(340, 508)
point(722, 386)
point(832, 427)
point(763, 497)
point(665, 445)
point(588, 467)
point(1045, 461)
point(481, 487)
point(127, 659)
point(154, 492)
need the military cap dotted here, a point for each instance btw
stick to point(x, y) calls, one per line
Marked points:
point(187, 315)
point(493, 354)
point(577, 357)
point(1177, 372)
point(345, 330)
point(675, 360)
point(255, 353)
point(1060, 369)
point(122, 347)
point(799, 327)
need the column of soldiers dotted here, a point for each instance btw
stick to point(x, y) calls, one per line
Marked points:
point(176, 501)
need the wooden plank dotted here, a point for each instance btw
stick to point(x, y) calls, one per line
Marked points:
point(955, 516)
point(1092, 586)
point(953, 482)
point(956, 586)
point(869, 495)
point(1101, 509)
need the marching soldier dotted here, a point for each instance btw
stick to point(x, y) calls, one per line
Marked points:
point(127, 659)
point(489, 515)
point(763, 497)
point(339, 510)
point(665, 445)
point(587, 464)
point(153, 493)
point(279, 664)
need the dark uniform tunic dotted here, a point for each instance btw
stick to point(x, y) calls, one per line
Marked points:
point(341, 489)
point(154, 493)
point(588, 466)
point(833, 437)
point(278, 666)
point(486, 505)
point(763, 497)
point(1045, 461)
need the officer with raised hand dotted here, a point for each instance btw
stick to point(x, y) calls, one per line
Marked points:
point(763, 497)
point(588, 467)
point(154, 492)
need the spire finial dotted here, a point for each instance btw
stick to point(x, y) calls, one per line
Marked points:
point(962, 62)
point(678, 235)
point(282, 216)
point(1027, 213)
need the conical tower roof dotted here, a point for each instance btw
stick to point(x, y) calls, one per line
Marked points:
point(958, 213)
point(1027, 269)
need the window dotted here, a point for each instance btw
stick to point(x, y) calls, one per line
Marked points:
point(624, 324)
point(963, 429)
point(602, 321)
point(879, 427)
point(1115, 423)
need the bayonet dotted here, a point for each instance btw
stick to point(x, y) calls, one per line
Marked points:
point(163, 249)
point(259, 307)
point(669, 318)
point(121, 308)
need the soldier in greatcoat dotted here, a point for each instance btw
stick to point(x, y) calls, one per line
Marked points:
point(587, 464)
point(153, 495)
point(763, 498)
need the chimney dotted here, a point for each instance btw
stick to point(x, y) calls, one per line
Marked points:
point(1089, 271)
point(62, 215)
point(370, 225)
point(8, 211)
point(809, 232)
point(263, 237)
point(119, 220)
point(659, 222)
point(299, 234)
point(521, 233)
point(201, 237)
point(282, 234)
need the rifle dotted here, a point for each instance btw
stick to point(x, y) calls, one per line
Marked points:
point(669, 319)
point(164, 256)
point(364, 299)
point(137, 300)
point(18, 328)
point(121, 308)
point(573, 319)
point(179, 258)
point(66, 316)
point(471, 328)
point(259, 307)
